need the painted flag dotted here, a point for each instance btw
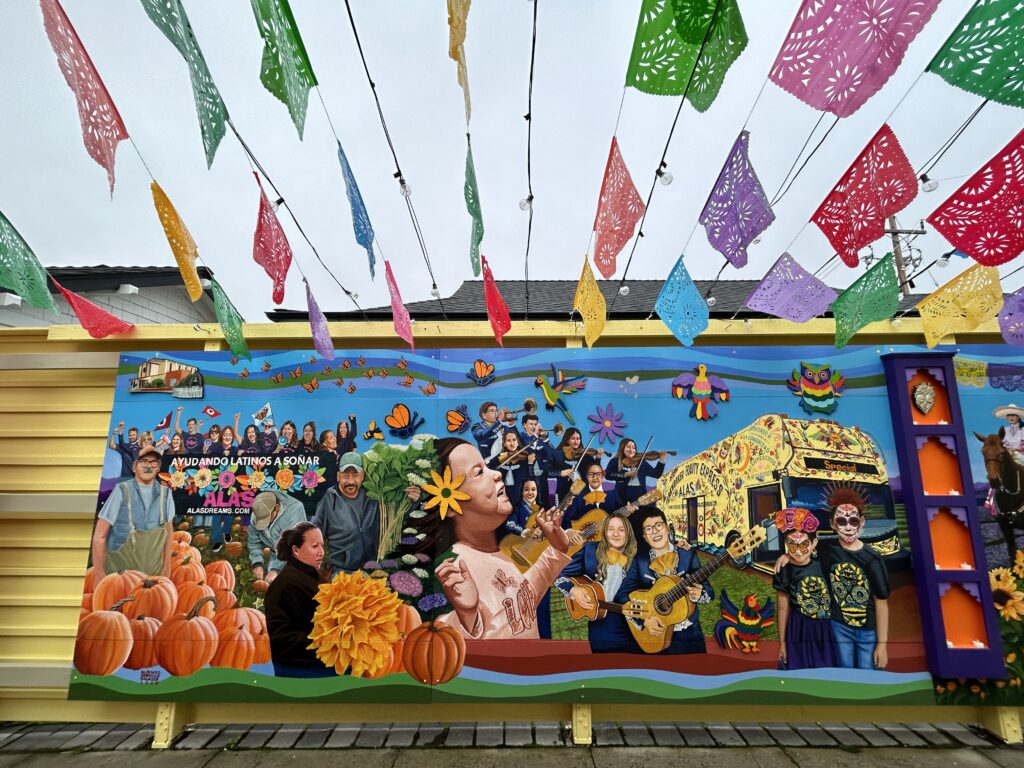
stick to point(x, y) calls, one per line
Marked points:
point(210, 411)
point(165, 422)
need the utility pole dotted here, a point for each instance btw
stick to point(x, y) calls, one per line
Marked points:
point(897, 253)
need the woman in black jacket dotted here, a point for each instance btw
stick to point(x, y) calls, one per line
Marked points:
point(290, 603)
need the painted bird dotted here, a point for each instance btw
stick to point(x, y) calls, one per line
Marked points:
point(703, 390)
point(742, 628)
point(817, 386)
point(560, 386)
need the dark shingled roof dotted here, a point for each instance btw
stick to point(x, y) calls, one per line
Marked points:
point(104, 278)
point(552, 300)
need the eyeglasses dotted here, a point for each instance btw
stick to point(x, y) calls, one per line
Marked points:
point(853, 521)
point(659, 526)
point(595, 474)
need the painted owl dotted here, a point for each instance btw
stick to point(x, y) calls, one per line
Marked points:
point(818, 387)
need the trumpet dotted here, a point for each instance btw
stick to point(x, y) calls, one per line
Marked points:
point(529, 406)
point(556, 430)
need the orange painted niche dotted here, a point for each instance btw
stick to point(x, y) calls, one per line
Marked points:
point(962, 616)
point(940, 470)
point(951, 539)
point(939, 412)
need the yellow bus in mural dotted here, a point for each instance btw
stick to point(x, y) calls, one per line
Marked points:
point(743, 480)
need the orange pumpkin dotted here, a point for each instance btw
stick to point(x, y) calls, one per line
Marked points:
point(387, 669)
point(254, 621)
point(186, 642)
point(266, 552)
point(434, 653)
point(223, 569)
point(92, 577)
point(189, 569)
point(262, 648)
point(215, 581)
point(154, 596)
point(201, 539)
point(103, 642)
point(260, 586)
point(233, 548)
point(182, 536)
point(183, 526)
point(236, 648)
point(82, 613)
point(408, 620)
point(225, 598)
point(87, 601)
point(144, 629)
point(114, 587)
point(190, 593)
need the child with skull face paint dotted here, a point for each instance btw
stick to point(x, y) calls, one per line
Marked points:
point(805, 626)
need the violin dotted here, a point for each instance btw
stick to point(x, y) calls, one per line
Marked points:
point(633, 463)
point(575, 454)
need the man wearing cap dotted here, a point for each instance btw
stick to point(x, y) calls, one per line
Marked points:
point(349, 520)
point(134, 528)
point(268, 441)
point(272, 514)
point(1012, 434)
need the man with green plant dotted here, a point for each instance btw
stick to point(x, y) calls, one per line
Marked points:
point(350, 519)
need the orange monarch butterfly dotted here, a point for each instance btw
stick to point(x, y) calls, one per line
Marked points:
point(458, 419)
point(429, 389)
point(401, 424)
point(350, 388)
point(402, 364)
point(373, 432)
point(296, 373)
point(234, 361)
point(244, 374)
point(312, 361)
point(266, 366)
point(277, 378)
point(313, 384)
point(368, 373)
point(346, 364)
point(327, 370)
point(339, 382)
point(361, 361)
point(482, 373)
point(407, 381)
point(383, 373)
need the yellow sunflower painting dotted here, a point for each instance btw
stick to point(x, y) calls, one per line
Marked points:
point(445, 492)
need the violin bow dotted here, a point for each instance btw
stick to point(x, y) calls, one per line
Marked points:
point(576, 466)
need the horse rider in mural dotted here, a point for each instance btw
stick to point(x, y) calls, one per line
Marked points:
point(1012, 434)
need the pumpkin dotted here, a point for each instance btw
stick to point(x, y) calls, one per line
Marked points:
point(236, 648)
point(434, 653)
point(225, 598)
point(408, 620)
point(252, 620)
point(262, 648)
point(259, 585)
point(215, 581)
point(266, 552)
point(82, 613)
point(114, 587)
point(144, 629)
point(182, 535)
point(189, 569)
point(87, 601)
point(183, 526)
point(201, 539)
point(387, 669)
point(223, 569)
point(233, 548)
point(92, 577)
point(186, 642)
point(155, 596)
point(103, 643)
point(190, 593)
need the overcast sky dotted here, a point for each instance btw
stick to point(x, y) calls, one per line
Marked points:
point(58, 198)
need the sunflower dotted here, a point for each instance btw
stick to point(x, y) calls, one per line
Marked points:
point(446, 492)
point(1018, 564)
point(355, 624)
point(1009, 600)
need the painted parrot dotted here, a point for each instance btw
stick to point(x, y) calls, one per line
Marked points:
point(703, 390)
point(560, 386)
point(817, 386)
point(742, 628)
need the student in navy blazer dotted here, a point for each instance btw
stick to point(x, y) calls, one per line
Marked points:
point(605, 561)
point(687, 637)
point(631, 482)
point(594, 496)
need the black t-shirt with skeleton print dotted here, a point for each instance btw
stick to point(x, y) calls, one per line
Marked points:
point(855, 580)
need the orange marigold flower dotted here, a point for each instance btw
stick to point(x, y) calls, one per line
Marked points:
point(284, 479)
point(355, 624)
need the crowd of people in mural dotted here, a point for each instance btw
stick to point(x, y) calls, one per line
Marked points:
point(536, 519)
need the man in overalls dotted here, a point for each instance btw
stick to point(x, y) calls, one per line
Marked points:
point(134, 528)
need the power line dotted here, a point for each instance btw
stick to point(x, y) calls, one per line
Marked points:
point(529, 148)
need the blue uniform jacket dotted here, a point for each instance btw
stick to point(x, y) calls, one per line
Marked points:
point(580, 506)
point(610, 634)
point(643, 472)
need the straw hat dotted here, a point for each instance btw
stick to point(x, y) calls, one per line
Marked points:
point(1008, 410)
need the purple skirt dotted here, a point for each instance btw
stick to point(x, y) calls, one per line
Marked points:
point(808, 642)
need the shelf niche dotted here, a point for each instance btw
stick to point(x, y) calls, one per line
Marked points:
point(962, 616)
point(951, 539)
point(927, 390)
point(940, 469)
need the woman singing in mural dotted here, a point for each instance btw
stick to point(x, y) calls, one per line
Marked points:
point(602, 565)
point(490, 598)
point(805, 627)
point(290, 603)
point(630, 471)
point(571, 461)
point(513, 462)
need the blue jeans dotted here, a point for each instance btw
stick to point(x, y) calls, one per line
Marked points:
point(854, 647)
point(218, 524)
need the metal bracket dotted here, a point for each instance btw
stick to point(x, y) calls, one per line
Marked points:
point(582, 733)
point(170, 721)
point(1004, 722)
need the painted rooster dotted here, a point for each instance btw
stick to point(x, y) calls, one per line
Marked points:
point(703, 390)
point(742, 628)
point(560, 386)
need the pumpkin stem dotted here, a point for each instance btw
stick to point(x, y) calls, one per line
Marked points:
point(199, 604)
point(148, 583)
point(120, 603)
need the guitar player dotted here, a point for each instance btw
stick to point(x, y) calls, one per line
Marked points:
point(666, 559)
point(594, 497)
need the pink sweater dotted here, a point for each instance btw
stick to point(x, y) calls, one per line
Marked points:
point(508, 598)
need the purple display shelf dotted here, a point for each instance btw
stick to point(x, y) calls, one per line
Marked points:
point(931, 583)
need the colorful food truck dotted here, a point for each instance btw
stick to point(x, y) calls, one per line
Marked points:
point(777, 462)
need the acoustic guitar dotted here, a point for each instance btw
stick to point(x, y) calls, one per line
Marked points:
point(525, 552)
point(667, 598)
point(601, 606)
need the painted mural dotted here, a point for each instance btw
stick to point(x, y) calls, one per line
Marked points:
point(607, 525)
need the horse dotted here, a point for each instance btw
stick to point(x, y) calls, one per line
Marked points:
point(1006, 477)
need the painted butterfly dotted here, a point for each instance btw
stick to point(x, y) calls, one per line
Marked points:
point(401, 424)
point(458, 419)
point(373, 432)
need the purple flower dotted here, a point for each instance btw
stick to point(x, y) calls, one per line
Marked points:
point(409, 540)
point(372, 565)
point(388, 564)
point(310, 479)
point(226, 479)
point(432, 602)
point(423, 558)
point(608, 425)
point(405, 583)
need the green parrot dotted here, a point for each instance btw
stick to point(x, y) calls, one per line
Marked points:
point(560, 385)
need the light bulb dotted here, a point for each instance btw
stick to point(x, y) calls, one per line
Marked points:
point(896, 321)
point(405, 189)
point(928, 185)
point(757, 240)
point(526, 204)
point(665, 177)
point(355, 296)
point(943, 261)
point(747, 324)
point(712, 301)
point(624, 290)
point(435, 293)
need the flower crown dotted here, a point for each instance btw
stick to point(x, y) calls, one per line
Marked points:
point(795, 519)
